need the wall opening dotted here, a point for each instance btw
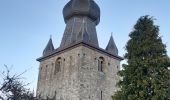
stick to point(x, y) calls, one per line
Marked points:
point(57, 66)
point(100, 64)
point(101, 94)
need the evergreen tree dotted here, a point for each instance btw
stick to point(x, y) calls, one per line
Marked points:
point(146, 74)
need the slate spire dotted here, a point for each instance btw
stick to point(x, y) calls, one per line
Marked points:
point(111, 47)
point(82, 8)
point(81, 18)
point(49, 48)
point(83, 35)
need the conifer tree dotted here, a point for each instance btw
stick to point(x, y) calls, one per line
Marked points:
point(146, 75)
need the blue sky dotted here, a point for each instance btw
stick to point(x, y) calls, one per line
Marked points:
point(26, 26)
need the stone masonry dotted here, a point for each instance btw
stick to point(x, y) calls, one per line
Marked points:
point(79, 69)
point(79, 78)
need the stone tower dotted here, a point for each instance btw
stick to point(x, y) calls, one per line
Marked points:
point(79, 69)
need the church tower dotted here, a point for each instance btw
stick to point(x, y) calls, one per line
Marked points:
point(79, 69)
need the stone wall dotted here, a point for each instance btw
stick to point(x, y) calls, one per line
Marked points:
point(79, 77)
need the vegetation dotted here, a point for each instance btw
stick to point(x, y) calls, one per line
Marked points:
point(146, 74)
point(12, 88)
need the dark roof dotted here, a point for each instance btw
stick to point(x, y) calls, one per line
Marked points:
point(81, 17)
point(111, 47)
point(49, 48)
point(83, 35)
point(82, 8)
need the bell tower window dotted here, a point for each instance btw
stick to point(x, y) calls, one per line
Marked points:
point(100, 64)
point(57, 66)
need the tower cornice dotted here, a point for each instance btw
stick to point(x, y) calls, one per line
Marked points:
point(65, 49)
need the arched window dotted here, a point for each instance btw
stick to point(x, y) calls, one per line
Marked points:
point(100, 64)
point(57, 65)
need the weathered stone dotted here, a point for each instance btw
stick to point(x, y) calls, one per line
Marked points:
point(79, 78)
point(79, 69)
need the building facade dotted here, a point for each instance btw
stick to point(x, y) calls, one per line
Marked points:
point(79, 69)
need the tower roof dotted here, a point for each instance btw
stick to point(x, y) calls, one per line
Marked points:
point(83, 36)
point(82, 8)
point(111, 47)
point(49, 48)
point(81, 18)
